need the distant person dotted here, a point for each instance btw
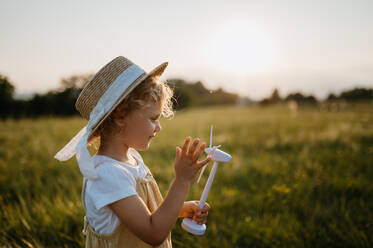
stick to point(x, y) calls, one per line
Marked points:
point(123, 204)
point(293, 106)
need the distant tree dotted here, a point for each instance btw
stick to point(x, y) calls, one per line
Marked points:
point(21, 108)
point(219, 96)
point(188, 94)
point(299, 98)
point(354, 95)
point(39, 105)
point(63, 101)
point(183, 95)
point(75, 81)
point(357, 94)
point(273, 99)
point(331, 97)
point(311, 100)
point(6, 97)
point(59, 102)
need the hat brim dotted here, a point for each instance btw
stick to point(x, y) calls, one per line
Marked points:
point(156, 72)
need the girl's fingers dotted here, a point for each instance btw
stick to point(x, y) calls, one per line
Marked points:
point(178, 151)
point(193, 148)
point(199, 153)
point(186, 145)
point(206, 207)
point(204, 162)
point(201, 215)
point(200, 219)
point(195, 206)
point(202, 222)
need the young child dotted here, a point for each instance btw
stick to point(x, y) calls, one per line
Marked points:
point(124, 207)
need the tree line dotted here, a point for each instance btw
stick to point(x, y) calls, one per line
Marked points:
point(349, 96)
point(61, 101)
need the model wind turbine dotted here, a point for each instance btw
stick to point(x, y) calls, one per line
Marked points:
point(217, 156)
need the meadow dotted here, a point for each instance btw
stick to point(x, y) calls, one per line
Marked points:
point(302, 180)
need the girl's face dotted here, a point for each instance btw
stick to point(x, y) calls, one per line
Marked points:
point(141, 126)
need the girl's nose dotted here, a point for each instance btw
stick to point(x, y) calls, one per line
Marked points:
point(158, 127)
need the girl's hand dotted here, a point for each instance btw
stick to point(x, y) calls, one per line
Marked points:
point(186, 161)
point(191, 210)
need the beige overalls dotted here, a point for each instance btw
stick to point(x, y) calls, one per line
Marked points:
point(148, 190)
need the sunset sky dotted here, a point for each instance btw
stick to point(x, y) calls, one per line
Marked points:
point(246, 47)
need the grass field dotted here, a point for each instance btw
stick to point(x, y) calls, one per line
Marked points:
point(294, 181)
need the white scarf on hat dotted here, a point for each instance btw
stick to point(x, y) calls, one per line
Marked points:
point(78, 145)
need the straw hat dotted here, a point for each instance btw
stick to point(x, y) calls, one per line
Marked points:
point(98, 99)
point(103, 79)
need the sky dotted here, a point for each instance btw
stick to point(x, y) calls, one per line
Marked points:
point(247, 47)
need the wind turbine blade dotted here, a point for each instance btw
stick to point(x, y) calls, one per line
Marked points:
point(211, 135)
point(200, 175)
point(204, 167)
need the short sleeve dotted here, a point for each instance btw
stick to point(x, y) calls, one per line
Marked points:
point(114, 183)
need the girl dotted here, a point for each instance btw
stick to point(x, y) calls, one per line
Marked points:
point(123, 205)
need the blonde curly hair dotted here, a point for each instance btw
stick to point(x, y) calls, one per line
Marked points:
point(148, 92)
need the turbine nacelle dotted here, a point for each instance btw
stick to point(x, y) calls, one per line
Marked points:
point(218, 155)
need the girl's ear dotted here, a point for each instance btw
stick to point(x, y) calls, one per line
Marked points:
point(120, 122)
point(119, 118)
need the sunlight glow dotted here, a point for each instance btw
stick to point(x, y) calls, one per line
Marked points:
point(243, 48)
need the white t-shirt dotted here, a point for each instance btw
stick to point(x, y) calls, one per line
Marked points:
point(116, 181)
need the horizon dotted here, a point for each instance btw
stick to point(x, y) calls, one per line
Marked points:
point(28, 96)
point(315, 48)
